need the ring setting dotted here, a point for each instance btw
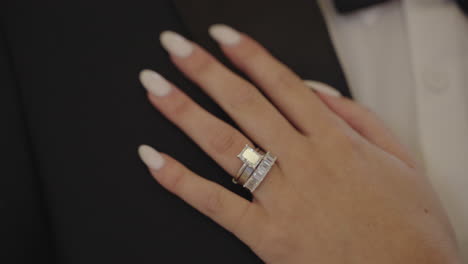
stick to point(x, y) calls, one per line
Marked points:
point(255, 167)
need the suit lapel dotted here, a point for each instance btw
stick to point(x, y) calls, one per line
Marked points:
point(293, 30)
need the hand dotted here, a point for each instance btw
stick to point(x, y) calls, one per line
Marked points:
point(343, 189)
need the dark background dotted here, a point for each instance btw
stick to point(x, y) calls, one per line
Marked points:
point(72, 189)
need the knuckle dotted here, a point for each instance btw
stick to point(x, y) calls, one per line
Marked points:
point(366, 110)
point(215, 202)
point(175, 178)
point(285, 77)
point(277, 241)
point(239, 222)
point(363, 113)
point(305, 149)
point(341, 141)
point(224, 141)
point(202, 64)
point(336, 140)
point(355, 118)
point(249, 53)
point(349, 143)
point(180, 107)
point(245, 97)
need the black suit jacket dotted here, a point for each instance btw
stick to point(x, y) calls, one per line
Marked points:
point(72, 189)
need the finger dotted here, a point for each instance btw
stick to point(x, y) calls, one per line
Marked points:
point(229, 210)
point(362, 121)
point(258, 118)
point(217, 138)
point(281, 84)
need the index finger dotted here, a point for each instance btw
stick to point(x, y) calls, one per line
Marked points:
point(231, 211)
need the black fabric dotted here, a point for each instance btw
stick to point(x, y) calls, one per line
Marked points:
point(347, 6)
point(294, 31)
point(74, 113)
point(464, 5)
point(23, 231)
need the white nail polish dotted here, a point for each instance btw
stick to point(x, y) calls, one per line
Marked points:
point(151, 157)
point(224, 34)
point(322, 88)
point(176, 44)
point(154, 83)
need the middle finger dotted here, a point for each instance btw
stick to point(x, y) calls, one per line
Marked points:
point(217, 138)
point(256, 116)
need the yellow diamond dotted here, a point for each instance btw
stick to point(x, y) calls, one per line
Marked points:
point(250, 156)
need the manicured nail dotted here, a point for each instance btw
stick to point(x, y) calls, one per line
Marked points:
point(151, 157)
point(154, 83)
point(322, 88)
point(224, 34)
point(176, 44)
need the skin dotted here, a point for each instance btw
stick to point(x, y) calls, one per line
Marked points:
point(343, 189)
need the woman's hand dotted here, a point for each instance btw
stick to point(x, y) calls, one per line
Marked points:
point(343, 190)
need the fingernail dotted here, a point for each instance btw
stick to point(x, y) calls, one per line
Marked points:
point(176, 44)
point(322, 88)
point(224, 34)
point(151, 157)
point(154, 83)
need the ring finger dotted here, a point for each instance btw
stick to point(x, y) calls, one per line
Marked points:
point(218, 139)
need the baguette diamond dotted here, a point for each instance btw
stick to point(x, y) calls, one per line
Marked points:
point(259, 174)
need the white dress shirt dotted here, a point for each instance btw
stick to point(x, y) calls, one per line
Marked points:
point(408, 61)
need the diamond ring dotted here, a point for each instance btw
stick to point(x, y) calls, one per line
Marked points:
point(256, 166)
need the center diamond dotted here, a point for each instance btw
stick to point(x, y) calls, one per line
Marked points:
point(250, 156)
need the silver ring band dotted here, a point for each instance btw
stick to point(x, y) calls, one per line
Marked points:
point(245, 175)
point(239, 173)
point(260, 172)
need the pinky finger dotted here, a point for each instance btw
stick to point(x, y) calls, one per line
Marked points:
point(362, 121)
point(228, 209)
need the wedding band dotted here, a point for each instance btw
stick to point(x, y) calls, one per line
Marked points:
point(239, 173)
point(260, 172)
point(245, 175)
point(256, 166)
